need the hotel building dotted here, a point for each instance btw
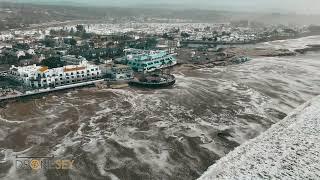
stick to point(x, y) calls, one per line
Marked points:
point(42, 77)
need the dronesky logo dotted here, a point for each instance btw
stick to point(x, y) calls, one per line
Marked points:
point(38, 162)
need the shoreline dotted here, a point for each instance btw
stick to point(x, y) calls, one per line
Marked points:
point(212, 58)
point(228, 56)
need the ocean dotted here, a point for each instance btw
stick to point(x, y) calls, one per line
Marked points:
point(174, 133)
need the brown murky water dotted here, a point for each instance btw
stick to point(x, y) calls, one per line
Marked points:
point(174, 133)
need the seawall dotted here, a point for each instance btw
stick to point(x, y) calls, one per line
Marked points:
point(43, 91)
point(290, 149)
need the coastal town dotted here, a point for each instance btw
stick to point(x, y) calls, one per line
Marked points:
point(167, 89)
point(48, 59)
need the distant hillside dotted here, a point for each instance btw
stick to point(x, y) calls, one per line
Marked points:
point(17, 15)
point(22, 15)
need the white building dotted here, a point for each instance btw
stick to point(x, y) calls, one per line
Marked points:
point(42, 77)
point(20, 53)
point(31, 51)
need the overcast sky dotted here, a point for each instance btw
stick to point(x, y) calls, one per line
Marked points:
point(298, 6)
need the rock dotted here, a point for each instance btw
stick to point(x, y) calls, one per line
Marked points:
point(314, 47)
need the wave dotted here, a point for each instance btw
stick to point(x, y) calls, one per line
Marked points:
point(10, 122)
